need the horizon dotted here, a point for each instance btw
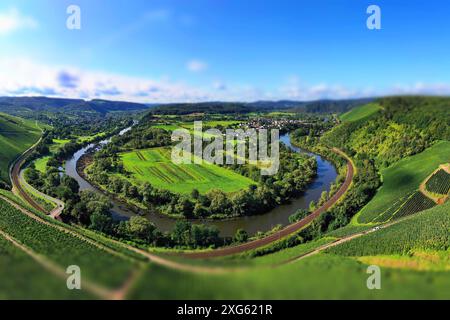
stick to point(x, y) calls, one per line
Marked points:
point(174, 52)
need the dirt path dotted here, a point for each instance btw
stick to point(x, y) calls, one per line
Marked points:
point(289, 230)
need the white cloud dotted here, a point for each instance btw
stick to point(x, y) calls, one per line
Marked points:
point(197, 66)
point(25, 77)
point(13, 20)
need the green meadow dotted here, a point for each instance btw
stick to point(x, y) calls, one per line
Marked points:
point(360, 112)
point(404, 177)
point(155, 166)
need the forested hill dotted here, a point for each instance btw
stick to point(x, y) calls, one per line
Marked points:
point(26, 106)
point(320, 106)
point(402, 126)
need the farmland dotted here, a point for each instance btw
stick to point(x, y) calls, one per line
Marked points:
point(403, 178)
point(156, 167)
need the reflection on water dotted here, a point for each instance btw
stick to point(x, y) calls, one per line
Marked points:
point(280, 215)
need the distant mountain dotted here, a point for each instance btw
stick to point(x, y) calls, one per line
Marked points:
point(320, 106)
point(26, 105)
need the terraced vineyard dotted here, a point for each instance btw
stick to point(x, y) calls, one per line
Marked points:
point(411, 203)
point(416, 203)
point(439, 182)
point(155, 166)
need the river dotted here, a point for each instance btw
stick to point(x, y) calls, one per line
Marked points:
point(326, 174)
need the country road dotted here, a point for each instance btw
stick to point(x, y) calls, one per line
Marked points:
point(289, 230)
point(20, 185)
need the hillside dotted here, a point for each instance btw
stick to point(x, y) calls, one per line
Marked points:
point(28, 106)
point(361, 112)
point(404, 126)
point(305, 278)
point(404, 177)
point(16, 136)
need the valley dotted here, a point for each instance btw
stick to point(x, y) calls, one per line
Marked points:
point(331, 210)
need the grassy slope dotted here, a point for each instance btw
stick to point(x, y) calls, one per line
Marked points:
point(404, 177)
point(324, 276)
point(360, 112)
point(16, 135)
point(155, 166)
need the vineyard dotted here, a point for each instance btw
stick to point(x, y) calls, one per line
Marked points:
point(439, 182)
point(428, 230)
point(403, 178)
point(63, 248)
point(411, 203)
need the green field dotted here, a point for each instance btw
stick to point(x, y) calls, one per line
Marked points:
point(16, 136)
point(360, 112)
point(404, 177)
point(155, 166)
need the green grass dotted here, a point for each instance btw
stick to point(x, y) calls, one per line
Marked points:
point(360, 112)
point(41, 164)
point(404, 177)
point(16, 136)
point(155, 166)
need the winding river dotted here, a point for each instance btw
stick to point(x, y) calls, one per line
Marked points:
point(326, 174)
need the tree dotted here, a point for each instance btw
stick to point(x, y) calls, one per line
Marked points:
point(241, 236)
point(298, 215)
point(70, 183)
point(140, 228)
point(181, 233)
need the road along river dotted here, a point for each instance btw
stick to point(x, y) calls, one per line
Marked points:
point(326, 174)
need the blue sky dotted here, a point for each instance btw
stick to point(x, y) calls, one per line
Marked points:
point(197, 50)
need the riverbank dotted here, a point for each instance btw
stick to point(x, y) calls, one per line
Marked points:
point(326, 175)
